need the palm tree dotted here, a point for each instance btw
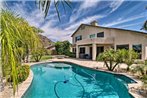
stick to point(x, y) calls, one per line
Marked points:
point(17, 37)
point(129, 57)
point(111, 58)
point(44, 5)
point(144, 27)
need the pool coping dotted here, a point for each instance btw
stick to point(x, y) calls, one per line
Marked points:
point(130, 85)
point(23, 87)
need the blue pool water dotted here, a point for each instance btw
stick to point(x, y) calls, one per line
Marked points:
point(65, 80)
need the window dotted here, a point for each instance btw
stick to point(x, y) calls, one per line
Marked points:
point(82, 50)
point(78, 38)
point(122, 47)
point(92, 36)
point(138, 49)
point(101, 34)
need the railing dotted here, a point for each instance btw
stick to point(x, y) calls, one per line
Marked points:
point(109, 40)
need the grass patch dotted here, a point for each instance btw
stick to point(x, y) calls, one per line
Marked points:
point(45, 57)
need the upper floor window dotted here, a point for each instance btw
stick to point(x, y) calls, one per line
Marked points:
point(101, 34)
point(78, 38)
point(92, 36)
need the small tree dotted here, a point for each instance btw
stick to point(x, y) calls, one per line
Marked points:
point(62, 48)
point(129, 58)
point(111, 58)
point(37, 54)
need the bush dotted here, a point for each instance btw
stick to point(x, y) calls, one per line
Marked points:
point(37, 54)
point(48, 52)
point(46, 57)
point(70, 54)
point(112, 58)
point(23, 72)
point(145, 62)
point(62, 47)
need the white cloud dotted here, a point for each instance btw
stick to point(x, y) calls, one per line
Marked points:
point(86, 4)
point(56, 33)
point(130, 25)
point(123, 21)
point(85, 20)
point(1, 4)
point(115, 5)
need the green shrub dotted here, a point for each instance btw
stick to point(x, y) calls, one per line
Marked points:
point(139, 62)
point(23, 72)
point(113, 58)
point(62, 47)
point(70, 54)
point(46, 57)
point(145, 62)
point(37, 54)
point(48, 52)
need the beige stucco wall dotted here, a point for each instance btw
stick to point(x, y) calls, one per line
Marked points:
point(90, 30)
point(146, 52)
point(129, 37)
point(120, 37)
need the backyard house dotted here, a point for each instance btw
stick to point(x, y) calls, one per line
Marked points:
point(91, 40)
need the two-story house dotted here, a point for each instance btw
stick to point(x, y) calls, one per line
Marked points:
point(91, 40)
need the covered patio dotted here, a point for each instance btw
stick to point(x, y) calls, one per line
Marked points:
point(91, 51)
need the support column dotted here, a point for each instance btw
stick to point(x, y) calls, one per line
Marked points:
point(77, 51)
point(145, 52)
point(130, 46)
point(93, 51)
point(87, 50)
point(114, 47)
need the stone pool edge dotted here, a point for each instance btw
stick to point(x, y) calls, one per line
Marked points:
point(23, 87)
point(130, 85)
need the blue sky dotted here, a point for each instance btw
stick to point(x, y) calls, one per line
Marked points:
point(118, 14)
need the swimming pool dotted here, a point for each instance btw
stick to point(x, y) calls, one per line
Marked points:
point(66, 80)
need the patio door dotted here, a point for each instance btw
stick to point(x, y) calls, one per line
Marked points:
point(100, 49)
point(90, 52)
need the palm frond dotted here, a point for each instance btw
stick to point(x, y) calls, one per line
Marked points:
point(15, 33)
point(145, 25)
point(44, 5)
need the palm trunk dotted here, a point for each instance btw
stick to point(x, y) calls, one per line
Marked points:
point(1, 75)
point(27, 54)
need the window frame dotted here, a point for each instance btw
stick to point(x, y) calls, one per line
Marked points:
point(92, 36)
point(101, 34)
point(82, 51)
point(139, 52)
point(122, 45)
point(77, 39)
